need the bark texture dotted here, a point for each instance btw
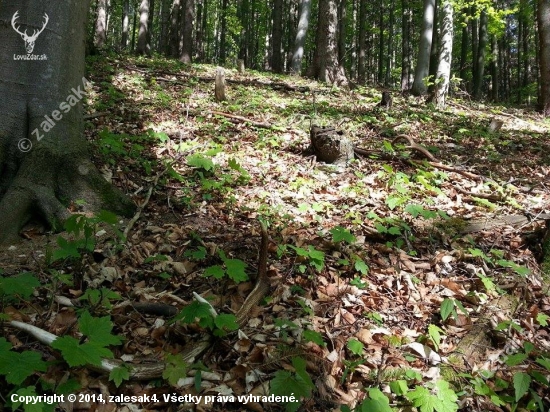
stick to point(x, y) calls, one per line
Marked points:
point(443, 75)
point(100, 37)
point(424, 49)
point(544, 55)
point(300, 41)
point(44, 164)
point(187, 32)
point(325, 61)
point(143, 45)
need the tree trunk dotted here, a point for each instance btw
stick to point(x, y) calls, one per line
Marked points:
point(143, 45)
point(164, 27)
point(494, 68)
point(125, 23)
point(44, 163)
point(443, 75)
point(277, 37)
point(389, 57)
point(480, 64)
point(175, 29)
point(362, 43)
point(406, 18)
point(342, 31)
point(134, 26)
point(464, 55)
point(543, 18)
point(381, 43)
point(187, 32)
point(425, 45)
point(325, 65)
point(100, 37)
point(300, 41)
point(223, 31)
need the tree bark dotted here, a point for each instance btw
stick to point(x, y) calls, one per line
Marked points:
point(362, 43)
point(143, 45)
point(464, 55)
point(425, 45)
point(300, 41)
point(480, 64)
point(325, 66)
point(175, 29)
point(494, 68)
point(187, 32)
point(443, 75)
point(389, 57)
point(277, 37)
point(125, 23)
point(44, 163)
point(406, 59)
point(543, 18)
point(164, 27)
point(342, 31)
point(100, 37)
point(223, 31)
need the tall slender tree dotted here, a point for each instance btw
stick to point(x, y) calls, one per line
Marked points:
point(424, 48)
point(303, 23)
point(143, 44)
point(480, 63)
point(187, 31)
point(277, 37)
point(441, 87)
point(101, 25)
point(543, 19)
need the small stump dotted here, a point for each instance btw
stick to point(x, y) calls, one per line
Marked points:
point(330, 145)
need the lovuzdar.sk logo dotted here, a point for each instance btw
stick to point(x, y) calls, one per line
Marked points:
point(28, 39)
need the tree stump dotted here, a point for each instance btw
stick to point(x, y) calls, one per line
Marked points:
point(330, 145)
point(240, 66)
point(219, 86)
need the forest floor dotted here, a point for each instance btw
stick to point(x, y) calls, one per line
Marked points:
point(383, 294)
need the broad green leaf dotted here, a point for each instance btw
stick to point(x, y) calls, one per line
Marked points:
point(176, 369)
point(447, 307)
point(377, 402)
point(414, 210)
point(235, 270)
point(399, 387)
point(98, 330)
point(119, 375)
point(76, 354)
point(17, 367)
point(200, 162)
point(355, 346)
point(313, 336)
point(300, 367)
point(340, 234)
point(22, 285)
point(216, 271)
point(226, 321)
point(361, 267)
point(515, 359)
point(521, 384)
point(195, 310)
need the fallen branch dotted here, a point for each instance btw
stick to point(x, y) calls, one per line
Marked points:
point(262, 125)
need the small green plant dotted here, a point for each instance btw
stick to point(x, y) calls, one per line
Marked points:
point(297, 384)
point(201, 313)
point(449, 308)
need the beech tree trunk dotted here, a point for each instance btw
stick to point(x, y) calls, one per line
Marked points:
point(543, 18)
point(443, 75)
point(325, 66)
point(362, 43)
point(164, 27)
point(143, 45)
point(100, 37)
point(406, 20)
point(425, 45)
point(125, 23)
point(44, 163)
point(300, 41)
point(277, 37)
point(187, 32)
point(480, 62)
point(174, 29)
